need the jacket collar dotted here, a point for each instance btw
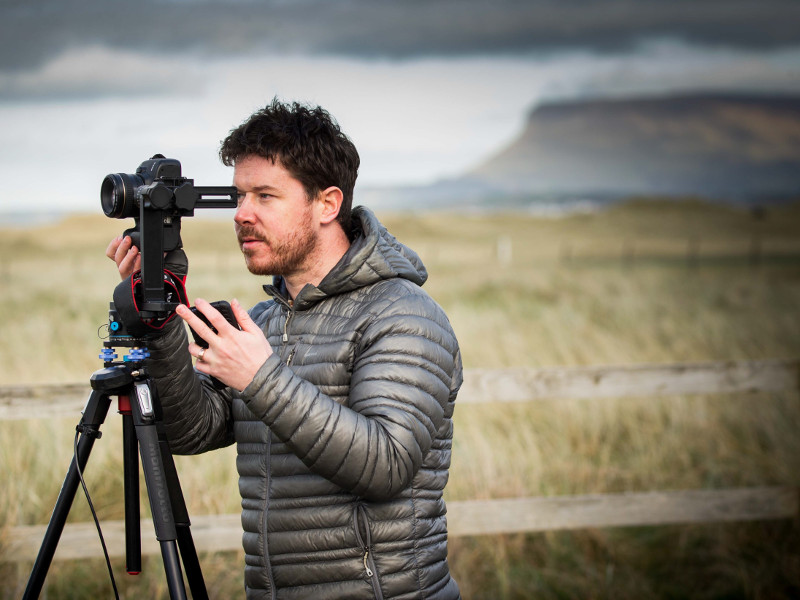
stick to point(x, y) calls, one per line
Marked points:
point(374, 255)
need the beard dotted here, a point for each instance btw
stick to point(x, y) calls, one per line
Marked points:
point(282, 257)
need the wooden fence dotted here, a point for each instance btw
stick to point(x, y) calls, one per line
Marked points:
point(479, 517)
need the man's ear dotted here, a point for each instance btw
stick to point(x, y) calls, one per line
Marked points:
point(330, 202)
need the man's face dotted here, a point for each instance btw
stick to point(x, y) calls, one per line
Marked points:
point(274, 221)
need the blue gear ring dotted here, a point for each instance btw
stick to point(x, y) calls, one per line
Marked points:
point(137, 355)
point(108, 355)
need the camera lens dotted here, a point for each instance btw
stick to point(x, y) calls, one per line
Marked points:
point(118, 196)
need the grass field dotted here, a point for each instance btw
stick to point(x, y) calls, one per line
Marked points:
point(646, 281)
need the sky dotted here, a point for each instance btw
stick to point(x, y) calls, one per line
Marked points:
point(426, 89)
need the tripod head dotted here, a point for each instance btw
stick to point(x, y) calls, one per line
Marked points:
point(119, 336)
point(157, 196)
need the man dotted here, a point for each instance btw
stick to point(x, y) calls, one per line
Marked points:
point(340, 389)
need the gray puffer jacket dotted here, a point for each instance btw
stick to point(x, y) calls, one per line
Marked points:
point(344, 435)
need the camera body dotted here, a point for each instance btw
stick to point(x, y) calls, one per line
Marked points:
point(158, 188)
point(157, 196)
point(121, 194)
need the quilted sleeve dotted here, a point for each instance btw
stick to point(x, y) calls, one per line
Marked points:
point(197, 416)
point(404, 381)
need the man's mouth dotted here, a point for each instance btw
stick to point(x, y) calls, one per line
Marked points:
point(249, 240)
point(250, 243)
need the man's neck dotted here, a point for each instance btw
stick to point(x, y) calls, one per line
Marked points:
point(329, 253)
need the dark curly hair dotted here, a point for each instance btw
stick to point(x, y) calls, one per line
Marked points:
point(307, 141)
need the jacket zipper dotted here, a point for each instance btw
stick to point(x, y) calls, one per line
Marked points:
point(289, 313)
point(360, 518)
point(268, 565)
point(265, 516)
point(285, 336)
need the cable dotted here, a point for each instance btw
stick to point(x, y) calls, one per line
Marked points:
point(82, 430)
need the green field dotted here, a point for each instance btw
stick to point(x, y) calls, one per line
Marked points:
point(644, 282)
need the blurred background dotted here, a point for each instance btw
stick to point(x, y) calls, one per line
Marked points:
point(592, 184)
point(477, 97)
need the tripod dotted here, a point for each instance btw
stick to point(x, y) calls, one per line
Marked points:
point(142, 427)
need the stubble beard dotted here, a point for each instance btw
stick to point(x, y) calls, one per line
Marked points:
point(286, 257)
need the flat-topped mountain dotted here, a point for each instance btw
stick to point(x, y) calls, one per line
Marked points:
point(730, 148)
point(708, 145)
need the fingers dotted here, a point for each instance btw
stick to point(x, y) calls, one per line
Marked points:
point(122, 251)
point(243, 318)
point(111, 251)
point(195, 322)
point(197, 352)
point(216, 318)
point(232, 356)
point(130, 262)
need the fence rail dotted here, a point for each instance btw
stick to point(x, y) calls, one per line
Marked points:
point(218, 533)
point(507, 385)
point(484, 517)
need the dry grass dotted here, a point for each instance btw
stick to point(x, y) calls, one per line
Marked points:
point(645, 282)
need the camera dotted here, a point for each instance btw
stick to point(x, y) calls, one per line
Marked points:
point(158, 185)
point(157, 196)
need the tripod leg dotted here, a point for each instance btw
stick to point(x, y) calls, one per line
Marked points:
point(133, 532)
point(186, 545)
point(160, 506)
point(93, 416)
point(157, 489)
point(193, 572)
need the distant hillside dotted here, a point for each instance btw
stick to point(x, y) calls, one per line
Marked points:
point(725, 147)
point(717, 146)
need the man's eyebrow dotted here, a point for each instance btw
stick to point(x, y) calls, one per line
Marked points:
point(261, 188)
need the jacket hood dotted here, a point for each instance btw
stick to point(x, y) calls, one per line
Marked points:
point(374, 255)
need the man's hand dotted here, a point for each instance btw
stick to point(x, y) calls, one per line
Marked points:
point(233, 356)
point(125, 254)
point(129, 259)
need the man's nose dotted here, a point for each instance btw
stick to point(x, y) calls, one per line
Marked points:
point(244, 212)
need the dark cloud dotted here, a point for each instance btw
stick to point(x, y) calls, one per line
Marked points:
point(33, 32)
